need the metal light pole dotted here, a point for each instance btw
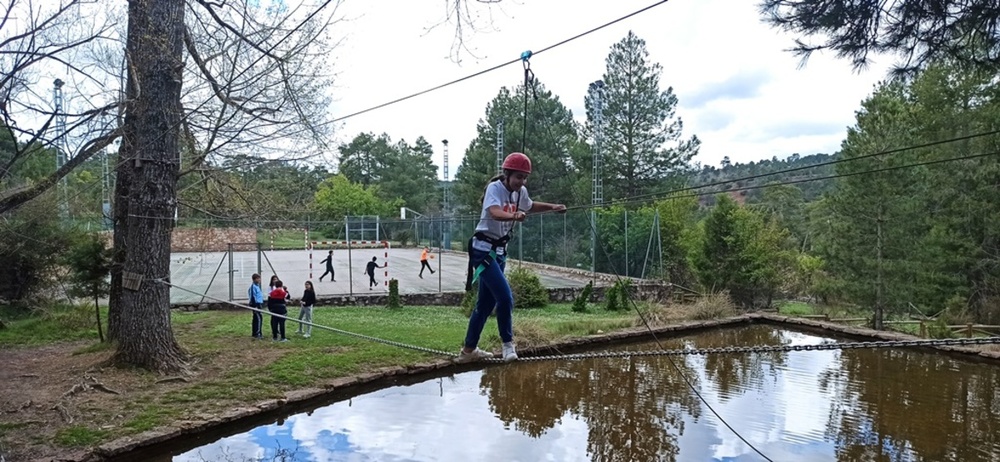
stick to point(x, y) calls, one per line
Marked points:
point(596, 91)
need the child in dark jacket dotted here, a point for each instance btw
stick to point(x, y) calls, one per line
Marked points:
point(308, 300)
point(276, 305)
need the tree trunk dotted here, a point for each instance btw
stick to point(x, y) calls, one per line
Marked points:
point(145, 194)
point(879, 312)
point(100, 328)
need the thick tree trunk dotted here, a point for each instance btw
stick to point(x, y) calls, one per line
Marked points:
point(145, 194)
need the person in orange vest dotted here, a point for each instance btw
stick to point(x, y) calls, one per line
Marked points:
point(423, 261)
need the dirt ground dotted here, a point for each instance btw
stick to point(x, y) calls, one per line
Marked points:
point(52, 388)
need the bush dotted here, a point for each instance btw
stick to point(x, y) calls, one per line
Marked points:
point(939, 329)
point(394, 301)
point(618, 295)
point(527, 288)
point(403, 237)
point(33, 243)
point(713, 306)
point(580, 304)
point(469, 300)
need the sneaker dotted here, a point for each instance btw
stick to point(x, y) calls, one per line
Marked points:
point(305, 336)
point(508, 352)
point(473, 355)
point(283, 340)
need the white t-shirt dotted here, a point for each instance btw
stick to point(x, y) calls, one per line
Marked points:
point(497, 194)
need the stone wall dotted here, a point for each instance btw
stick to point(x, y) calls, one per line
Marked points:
point(212, 239)
point(643, 291)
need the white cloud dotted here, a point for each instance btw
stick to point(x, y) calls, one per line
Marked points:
point(739, 91)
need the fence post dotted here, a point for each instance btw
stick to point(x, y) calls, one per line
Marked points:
point(923, 329)
point(229, 252)
point(968, 331)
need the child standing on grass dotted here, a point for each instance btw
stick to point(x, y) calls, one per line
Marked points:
point(256, 301)
point(306, 314)
point(505, 201)
point(276, 305)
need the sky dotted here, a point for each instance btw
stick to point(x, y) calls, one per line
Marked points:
point(739, 89)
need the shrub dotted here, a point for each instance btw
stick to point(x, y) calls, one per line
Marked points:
point(89, 262)
point(394, 301)
point(403, 237)
point(713, 306)
point(618, 295)
point(469, 300)
point(939, 329)
point(527, 288)
point(611, 299)
point(580, 304)
point(33, 243)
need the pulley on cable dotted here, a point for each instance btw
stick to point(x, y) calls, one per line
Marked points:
point(529, 81)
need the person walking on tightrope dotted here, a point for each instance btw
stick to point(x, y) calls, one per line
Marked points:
point(256, 297)
point(424, 255)
point(370, 271)
point(505, 201)
point(329, 267)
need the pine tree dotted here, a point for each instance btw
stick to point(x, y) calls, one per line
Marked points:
point(552, 140)
point(642, 135)
point(875, 215)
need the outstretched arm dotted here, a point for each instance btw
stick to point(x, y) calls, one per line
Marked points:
point(538, 207)
point(497, 213)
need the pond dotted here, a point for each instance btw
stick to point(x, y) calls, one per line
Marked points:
point(855, 405)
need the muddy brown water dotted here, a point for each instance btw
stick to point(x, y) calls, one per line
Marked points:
point(854, 405)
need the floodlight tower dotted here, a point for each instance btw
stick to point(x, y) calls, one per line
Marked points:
point(446, 238)
point(61, 145)
point(596, 91)
point(499, 146)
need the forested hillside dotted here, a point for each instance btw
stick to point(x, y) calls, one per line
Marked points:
point(795, 169)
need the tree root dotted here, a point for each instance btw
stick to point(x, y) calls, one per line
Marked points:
point(63, 412)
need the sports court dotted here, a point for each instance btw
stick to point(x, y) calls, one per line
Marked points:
point(216, 275)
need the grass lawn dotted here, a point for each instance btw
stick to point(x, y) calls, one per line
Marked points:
point(228, 369)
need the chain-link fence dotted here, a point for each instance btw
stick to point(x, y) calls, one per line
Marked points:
point(616, 241)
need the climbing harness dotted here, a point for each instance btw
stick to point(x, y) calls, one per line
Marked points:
point(491, 257)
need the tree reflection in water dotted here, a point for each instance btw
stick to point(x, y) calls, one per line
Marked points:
point(883, 405)
point(634, 408)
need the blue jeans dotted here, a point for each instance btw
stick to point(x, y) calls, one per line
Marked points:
point(493, 292)
point(258, 320)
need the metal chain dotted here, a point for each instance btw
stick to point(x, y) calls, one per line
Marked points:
point(766, 349)
point(639, 353)
point(318, 326)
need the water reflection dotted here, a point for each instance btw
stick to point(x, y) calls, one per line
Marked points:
point(856, 405)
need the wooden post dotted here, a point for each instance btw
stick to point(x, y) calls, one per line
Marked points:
point(923, 329)
point(968, 331)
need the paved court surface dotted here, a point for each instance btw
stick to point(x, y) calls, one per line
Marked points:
point(209, 273)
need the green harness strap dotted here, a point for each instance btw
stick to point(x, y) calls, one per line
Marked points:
point(482, 266)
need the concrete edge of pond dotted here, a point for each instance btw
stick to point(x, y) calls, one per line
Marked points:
point(352, 385)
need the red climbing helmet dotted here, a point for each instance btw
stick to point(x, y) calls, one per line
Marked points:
point(518, 162)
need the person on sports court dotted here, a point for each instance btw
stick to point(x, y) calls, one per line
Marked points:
point(329, 267)
point(505, 201)
point(370, 271)
point(424, 255)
